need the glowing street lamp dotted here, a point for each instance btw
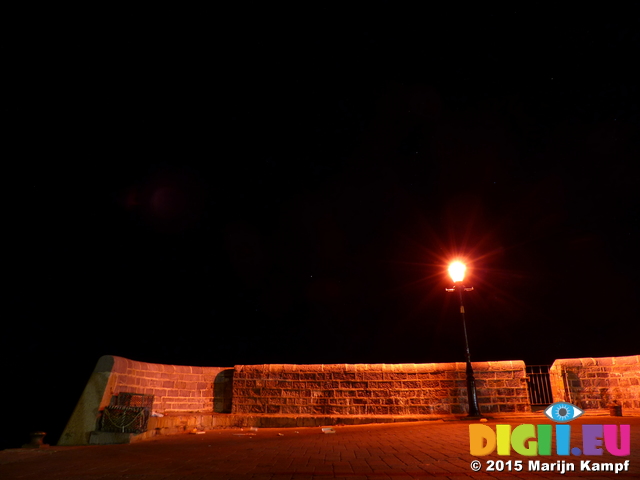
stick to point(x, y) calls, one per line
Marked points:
point(456, 272)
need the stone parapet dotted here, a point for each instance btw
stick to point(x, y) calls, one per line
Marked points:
point(595, 383)
point(377, 389)
point(175, 389)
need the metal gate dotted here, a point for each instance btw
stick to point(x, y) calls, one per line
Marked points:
point(539, 385)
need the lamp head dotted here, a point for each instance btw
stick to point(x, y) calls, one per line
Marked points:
point(456, 271)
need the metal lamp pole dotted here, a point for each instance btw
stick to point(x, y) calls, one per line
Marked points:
point(456, 270)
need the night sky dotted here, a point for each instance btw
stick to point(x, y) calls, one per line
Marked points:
point(239, 189)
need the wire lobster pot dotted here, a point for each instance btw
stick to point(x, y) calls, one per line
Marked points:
point(129, 414)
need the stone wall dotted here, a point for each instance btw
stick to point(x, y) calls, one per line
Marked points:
point(176, 389)
point(378, 389)
point(592, 383)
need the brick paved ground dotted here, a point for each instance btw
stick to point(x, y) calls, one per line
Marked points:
point(385, 451)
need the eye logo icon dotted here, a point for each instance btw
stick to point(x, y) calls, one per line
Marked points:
point(562, 412)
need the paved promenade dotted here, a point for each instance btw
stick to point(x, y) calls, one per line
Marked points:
point(383, 451)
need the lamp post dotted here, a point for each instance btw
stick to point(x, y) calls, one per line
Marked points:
point(456, 271)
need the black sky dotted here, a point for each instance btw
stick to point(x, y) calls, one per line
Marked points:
point(225, 190)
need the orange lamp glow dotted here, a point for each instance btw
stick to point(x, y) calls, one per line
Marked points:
point(456, 271)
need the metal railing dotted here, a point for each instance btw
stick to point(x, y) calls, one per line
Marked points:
point(539, 385)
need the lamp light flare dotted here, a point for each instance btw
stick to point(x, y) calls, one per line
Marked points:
point(456, 271)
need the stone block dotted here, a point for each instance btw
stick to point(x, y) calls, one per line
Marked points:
point(379, 410)
point(310, 368)
point(356, 410)
point(428, 384)
point(247, 383)
point(489, 408)
point(276, 368)
point(406, 393)
point(338, 369)
point(428, 368)
point(330, 384)
point(405, 367)
point(394, 374)
point(632, 360)
point(352, 384)
point(291, 393)
point(381, 393)
point(345, 393)
point(481, 367)
point(442, 409)
point(191, 386)
point(382, 384)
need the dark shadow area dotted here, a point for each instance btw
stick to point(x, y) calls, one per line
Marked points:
point(223, 391)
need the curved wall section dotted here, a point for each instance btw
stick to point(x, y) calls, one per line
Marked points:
point(594, 383)
point(176, 389)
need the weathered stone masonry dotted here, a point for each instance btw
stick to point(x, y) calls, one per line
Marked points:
point(176, 389)
point(378, 389)
point(593, 383)
point(266, 394)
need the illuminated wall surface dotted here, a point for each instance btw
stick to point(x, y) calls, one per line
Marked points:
point(348, 390)
point(379, 389)
point(593, 383)
point(176, 389)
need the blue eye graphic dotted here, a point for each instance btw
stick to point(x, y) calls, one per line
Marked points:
point(562, 412)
